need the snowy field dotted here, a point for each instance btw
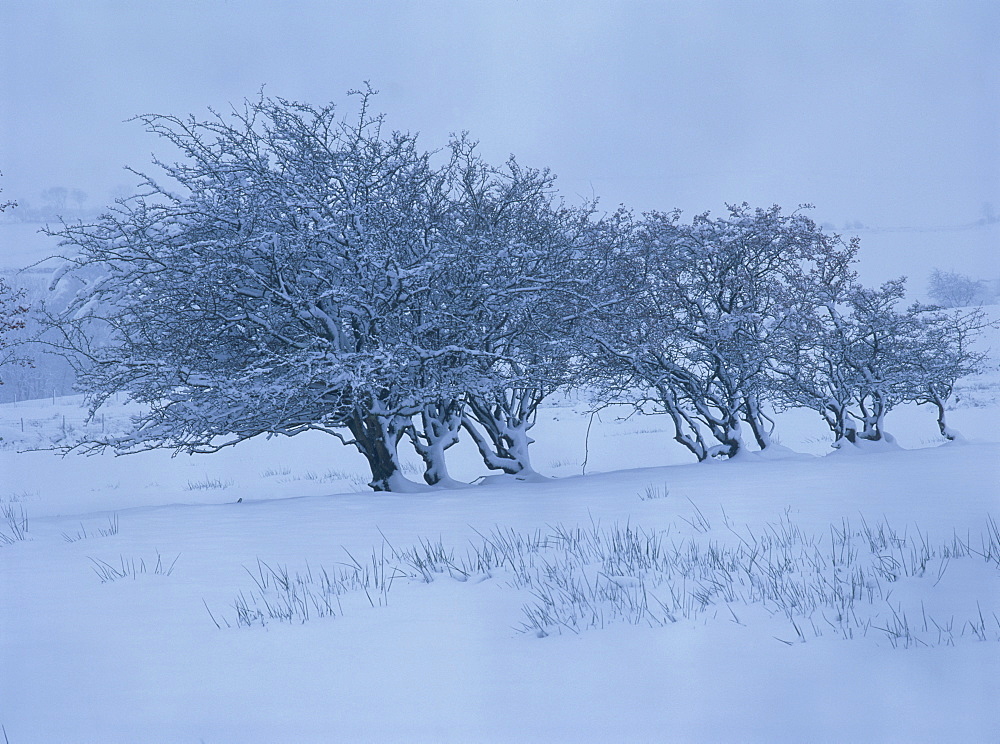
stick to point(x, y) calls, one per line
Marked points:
point(263, 595)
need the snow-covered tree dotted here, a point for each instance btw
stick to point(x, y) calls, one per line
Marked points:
point(516, 284)
point(852, 371)
point(12, 319)
point(7, 204)
point(943, 351)
point(702, 308)
point(12, 315)
point(280, 283)
point(303, 271)
point(809, 369)
point(950, 289)
point(855, 355)
point(876, 358)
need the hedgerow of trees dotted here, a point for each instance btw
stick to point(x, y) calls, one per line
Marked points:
point(297, 270)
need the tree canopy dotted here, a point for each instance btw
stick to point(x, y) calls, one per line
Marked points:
point(297, 269)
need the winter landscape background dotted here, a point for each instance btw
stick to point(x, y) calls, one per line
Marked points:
point(264, 593)
point(111, 601)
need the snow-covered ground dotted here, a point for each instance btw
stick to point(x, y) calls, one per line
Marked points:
point(262, 595)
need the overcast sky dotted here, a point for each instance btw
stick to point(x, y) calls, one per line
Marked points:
point(883, 113)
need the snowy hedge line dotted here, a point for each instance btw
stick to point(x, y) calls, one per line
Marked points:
point(297, 270)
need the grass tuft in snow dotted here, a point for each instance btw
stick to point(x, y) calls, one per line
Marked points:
point(653, 492)
point(296, 597)
point(598, 576)
point(562, 462)
point(16, 520)
point(843, 583)
point(208, 484)
point(272, 472)
point(331, 475)
point(82, 534)
point(991, 542)
point(427, 559)
point(131, 568)
point(699, 521)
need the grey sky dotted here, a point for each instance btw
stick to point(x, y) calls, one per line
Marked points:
point(885, 113)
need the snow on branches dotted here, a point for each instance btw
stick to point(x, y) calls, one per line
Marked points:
point(295, 269)
point(305, 271)
point(12, 315)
